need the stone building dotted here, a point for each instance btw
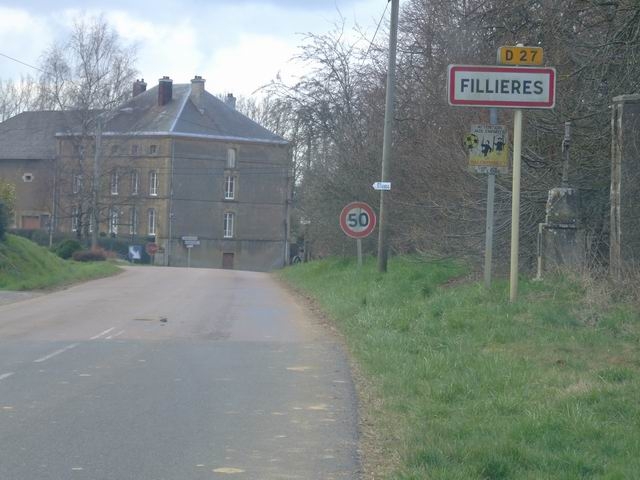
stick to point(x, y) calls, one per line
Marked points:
point(182, 169)
point(27, 160)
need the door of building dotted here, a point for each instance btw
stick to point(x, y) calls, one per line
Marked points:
point(30, 222)
point(227, 261)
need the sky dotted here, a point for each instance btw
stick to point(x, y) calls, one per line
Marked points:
point(236, 45)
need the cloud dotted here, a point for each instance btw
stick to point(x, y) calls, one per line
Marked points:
point(237, 45)
point(22, 36)
point(250, 63)
point(163, 49)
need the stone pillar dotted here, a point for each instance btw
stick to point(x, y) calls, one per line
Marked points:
point(561, 241)
point(624, 250)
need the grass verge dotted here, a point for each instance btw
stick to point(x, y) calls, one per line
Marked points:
point(471, 386)
point(27, 266)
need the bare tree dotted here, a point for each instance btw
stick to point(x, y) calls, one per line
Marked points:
point(87, 76)
point(17, 97)
point(92, 70)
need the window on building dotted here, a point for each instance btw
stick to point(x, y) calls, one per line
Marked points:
point(153, 183)
point(27, 177)
point(135, 182)
point(113, 221)
point(231, 158)
point(229, 187)
point(114, 182)
point(152, 222)
point(228, 225)
point(114, 149)
point(133, 221)
point(153, 149)
point(134, 149)
point(76, 184)
point(75, 213)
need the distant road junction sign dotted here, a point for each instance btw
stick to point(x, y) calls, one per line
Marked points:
point(501, 86)
point(357, 220)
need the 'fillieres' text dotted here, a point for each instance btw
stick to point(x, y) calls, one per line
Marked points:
point(524, 87)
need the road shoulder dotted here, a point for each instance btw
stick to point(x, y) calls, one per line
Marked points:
point(375, 462)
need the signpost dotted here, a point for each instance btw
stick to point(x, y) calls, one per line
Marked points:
point(488, 148)
point(190, 241)
point(506, 87)
point(358, 220)
point(501, 86)
point(523, 56)
point(382, 186)
point(151, 248)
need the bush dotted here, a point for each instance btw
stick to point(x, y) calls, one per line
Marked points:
point(41, 237)
point(67, 248)
point(89, 256)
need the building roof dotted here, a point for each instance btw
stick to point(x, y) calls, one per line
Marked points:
point(31, 135)
point(187, 115)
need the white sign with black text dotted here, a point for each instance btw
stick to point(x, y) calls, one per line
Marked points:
point(501, 86)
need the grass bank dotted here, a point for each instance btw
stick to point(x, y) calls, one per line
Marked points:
point(27, 266)
point(471, 386)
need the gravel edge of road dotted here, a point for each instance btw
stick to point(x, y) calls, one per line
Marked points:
point(375, 462)
point(9, 296)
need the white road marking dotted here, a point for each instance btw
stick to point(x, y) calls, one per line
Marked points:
point(6, 375)
point(228, 470)
point(57, 352)
point(102, 333)
point(114, 335)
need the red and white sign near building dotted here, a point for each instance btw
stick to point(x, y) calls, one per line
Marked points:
point(501, 86)
point(357, 220)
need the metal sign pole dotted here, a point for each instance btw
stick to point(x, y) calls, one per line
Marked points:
point(491, 189)
point(359, 247)
point(188, 257)
point(515, 204)
point(488, 247)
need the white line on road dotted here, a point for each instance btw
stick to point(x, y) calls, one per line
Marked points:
point(102, 333)
point(57, 352)
point(5, 375)
point(115, 335)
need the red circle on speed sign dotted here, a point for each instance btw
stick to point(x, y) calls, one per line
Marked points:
point(151, 248)
point(357, 220)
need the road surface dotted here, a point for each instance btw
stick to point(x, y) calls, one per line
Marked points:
point(176, 374)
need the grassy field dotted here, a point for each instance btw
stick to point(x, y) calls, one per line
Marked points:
point(27, 266)
point(470, 386)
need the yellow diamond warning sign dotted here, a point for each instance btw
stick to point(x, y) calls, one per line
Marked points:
point(488, 148)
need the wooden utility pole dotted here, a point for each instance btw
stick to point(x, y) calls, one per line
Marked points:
point(387, 137)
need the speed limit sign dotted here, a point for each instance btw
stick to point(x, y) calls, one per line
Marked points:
point(357, 220)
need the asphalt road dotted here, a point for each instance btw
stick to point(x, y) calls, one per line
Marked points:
point(162, 373)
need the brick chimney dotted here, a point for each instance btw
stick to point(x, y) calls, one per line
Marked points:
point(230, 100)
point(139, 86)
point(165, 90)
point(197, 89)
